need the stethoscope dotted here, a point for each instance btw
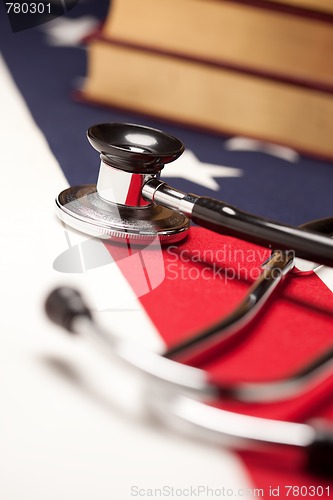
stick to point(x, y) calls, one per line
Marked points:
point(130, 203)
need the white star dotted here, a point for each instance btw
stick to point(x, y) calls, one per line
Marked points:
point(66, 32)
point(190, 168)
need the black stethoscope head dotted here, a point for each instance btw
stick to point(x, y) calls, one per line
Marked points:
point(134, 148)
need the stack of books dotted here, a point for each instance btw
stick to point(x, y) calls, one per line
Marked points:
point(260, 68)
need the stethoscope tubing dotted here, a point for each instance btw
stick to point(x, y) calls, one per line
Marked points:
point(226, 219)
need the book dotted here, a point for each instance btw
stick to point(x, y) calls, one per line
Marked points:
point(209, 97)
point(259, 40)
point(325, 6)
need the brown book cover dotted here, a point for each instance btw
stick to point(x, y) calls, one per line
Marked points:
point(260, 40)
point(325, 6)
point(208, 96)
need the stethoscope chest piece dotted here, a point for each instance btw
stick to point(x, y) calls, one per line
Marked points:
point(114, 208)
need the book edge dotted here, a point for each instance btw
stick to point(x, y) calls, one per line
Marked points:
point(222, 64)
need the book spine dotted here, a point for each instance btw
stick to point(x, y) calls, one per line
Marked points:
point(176, 90)
point(325, 15)
point(225, 65)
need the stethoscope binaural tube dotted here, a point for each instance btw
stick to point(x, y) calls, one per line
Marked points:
point(130, 203)
point(214, 336)
point(65, 305)
point(221, 427)
point(176, 393)
point(274, 270)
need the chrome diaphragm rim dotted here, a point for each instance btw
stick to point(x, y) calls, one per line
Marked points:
point(81, 208)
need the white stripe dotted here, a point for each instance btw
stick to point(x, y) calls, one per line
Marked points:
point(247, 144)
point(70, 425)
point(326, 276)
point(31, 179)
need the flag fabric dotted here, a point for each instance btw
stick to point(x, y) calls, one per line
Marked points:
point(172, 295)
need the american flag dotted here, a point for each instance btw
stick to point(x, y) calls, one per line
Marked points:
point(71, 424)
